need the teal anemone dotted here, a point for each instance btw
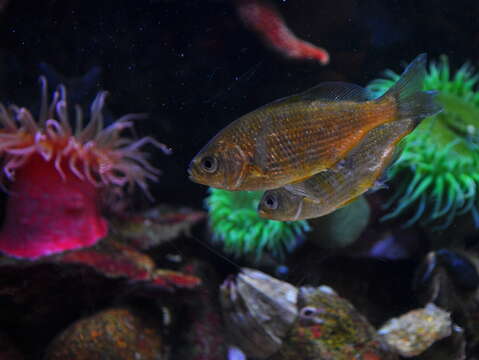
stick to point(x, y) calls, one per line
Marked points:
point(436, 176)
point(234, 220)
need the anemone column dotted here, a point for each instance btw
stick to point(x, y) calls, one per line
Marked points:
point(48, 213)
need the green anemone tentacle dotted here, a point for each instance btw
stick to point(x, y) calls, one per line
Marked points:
point(419, 212)
point(234, 221)
point(436, 177)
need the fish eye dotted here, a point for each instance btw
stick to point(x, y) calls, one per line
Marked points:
point(271, 202)
point(209, 164)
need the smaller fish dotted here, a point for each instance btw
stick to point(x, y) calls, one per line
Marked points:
point(327, 191)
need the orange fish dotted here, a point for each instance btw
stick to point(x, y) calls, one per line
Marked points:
point(329, 190)
point(291, 139)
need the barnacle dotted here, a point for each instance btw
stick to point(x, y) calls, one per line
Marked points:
point(234, 221)
point(437, 173)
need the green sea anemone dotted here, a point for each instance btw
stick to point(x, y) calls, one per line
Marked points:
point(437, 174)
point(234, 220)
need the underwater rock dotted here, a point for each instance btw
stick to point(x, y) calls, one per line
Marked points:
point(155, 226)
point(204, 337)
point(258, 311)
point(114, 260)
point(112, 334)
point(451, 348)
point(328, 327)
point(450, 279)
point(57, 289)
point(40, 300)
point(43, 296)
point(365, 282)
point(412, 333)
point(270, 319)
point(342, 227)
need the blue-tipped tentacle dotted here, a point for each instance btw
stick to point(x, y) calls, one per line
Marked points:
point(449, 203)
point(419, 212)
point(449, 219)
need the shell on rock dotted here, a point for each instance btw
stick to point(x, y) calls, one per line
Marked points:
point(258, 311)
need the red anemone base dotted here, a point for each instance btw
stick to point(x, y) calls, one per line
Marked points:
point(47, 213)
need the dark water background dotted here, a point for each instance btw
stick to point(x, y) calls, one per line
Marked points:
point(194, 67)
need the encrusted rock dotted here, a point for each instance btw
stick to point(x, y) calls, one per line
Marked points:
point(112, 334)
point(415, 331)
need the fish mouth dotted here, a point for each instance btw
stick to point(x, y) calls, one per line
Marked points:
point(190, 172)
point(262, 213)
point(195, 180)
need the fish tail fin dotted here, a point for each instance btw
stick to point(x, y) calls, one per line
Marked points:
point(419, 106)
point(412, 102)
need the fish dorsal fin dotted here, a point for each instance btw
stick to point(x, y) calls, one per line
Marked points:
point(333, 91)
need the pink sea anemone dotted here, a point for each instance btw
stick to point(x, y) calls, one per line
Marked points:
point(56, 173)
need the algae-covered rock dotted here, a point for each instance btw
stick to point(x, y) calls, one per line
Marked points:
point(417, 330)
point(113, 334)
point(271, 319)
point(328, 327)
